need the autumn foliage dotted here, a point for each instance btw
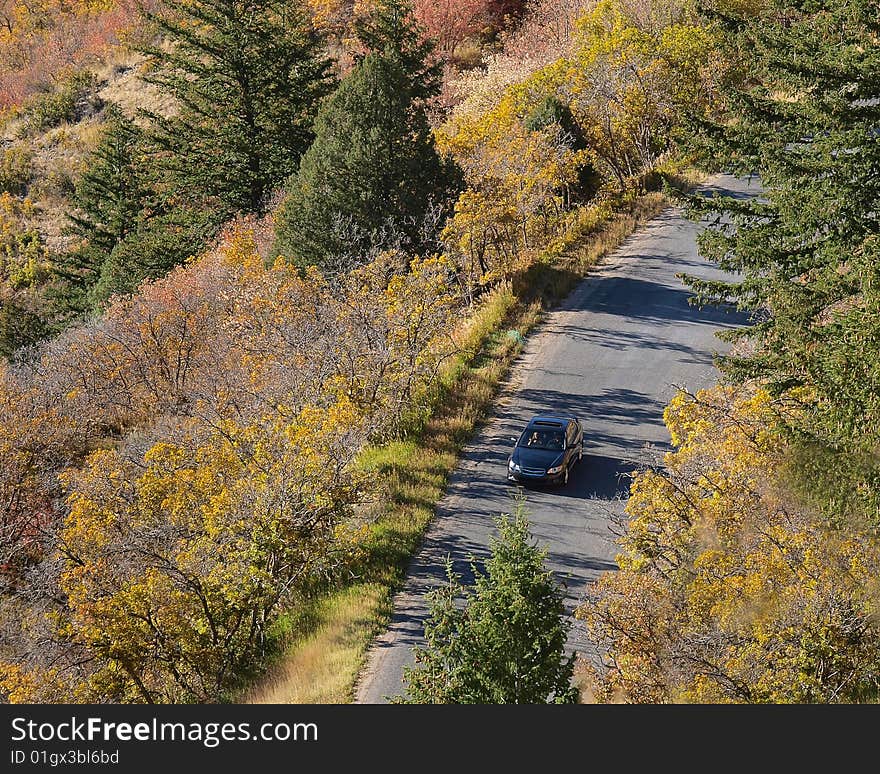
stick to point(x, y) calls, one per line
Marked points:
point(728, 591)
point(540, 137)
point(181, 467)
point(450, 22)
point(41, 40)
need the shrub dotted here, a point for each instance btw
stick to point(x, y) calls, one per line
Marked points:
point(22, 255)
point(20, 326)
point(73, 98)
point(15, 169)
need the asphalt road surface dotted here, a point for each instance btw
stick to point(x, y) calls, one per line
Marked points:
point(612, 354)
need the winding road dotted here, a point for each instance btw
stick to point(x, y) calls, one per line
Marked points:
point(613, 354)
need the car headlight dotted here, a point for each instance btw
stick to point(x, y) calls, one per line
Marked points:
point(551, 471)
point(511, 465)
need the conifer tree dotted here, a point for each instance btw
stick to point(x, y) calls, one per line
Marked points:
point(109, 206)
point(162, 241)
point(130, 230)
point(390, 30)
point(373, 174)
point(111, 192)
point(247, 76)
point(804, 115)
point(506, 644)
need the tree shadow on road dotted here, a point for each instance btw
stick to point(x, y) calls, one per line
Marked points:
point(593, 478)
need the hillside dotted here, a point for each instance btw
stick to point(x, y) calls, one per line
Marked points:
point(55, 114)
point(259, 258)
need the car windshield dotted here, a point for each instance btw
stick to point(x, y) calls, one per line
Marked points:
point(543, 439)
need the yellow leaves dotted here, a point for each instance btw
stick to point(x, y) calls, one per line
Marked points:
point(426, 285)
point(619, 93)
point(327, 14)
point(13, 209)
point(239, 249)
point(394, 320)
point(688, 47)
point(232, 397)
point(752, 596)
point(174, 550)
point(741, 7)
point(630, 79)
point(93, 494)
point(169, 488)
point(703, 424)
point(515, 175)
point(23, 260)
point(23, 686)
point(639, 606)
point(607, 31)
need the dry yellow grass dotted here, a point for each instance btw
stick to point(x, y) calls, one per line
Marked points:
point(122, 84)
point(59, 154)
point(317, 669)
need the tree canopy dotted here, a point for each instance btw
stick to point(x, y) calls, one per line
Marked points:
point(728, 590)
point(247, 78)
point(803, 115)
point(501, 642)
point(372, 177)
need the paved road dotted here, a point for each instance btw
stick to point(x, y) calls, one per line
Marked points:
point(613, 355)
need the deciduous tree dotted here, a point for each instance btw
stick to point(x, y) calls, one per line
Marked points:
point(450, 22)
point(728, 591)
point(629, 84)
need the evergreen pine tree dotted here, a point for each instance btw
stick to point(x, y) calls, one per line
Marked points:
point(161, 242)
point(390, 30)
point(373, 173)
point(804, 115)
point(109, 200)
point(247, 76)
point(130, 231)
point(111, 192)
point(506, 643)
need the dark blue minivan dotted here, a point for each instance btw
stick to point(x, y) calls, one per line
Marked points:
point(546, 450)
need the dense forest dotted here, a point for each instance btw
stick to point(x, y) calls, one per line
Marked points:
point(243, 241)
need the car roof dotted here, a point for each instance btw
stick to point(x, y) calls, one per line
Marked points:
point(550, 421)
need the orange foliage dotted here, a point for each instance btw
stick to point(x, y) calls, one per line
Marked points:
point(204, 429)
point(39, 41)
point(226, 339)
point(450, 22)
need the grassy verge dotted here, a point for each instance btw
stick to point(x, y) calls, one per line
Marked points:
point(327, 643)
